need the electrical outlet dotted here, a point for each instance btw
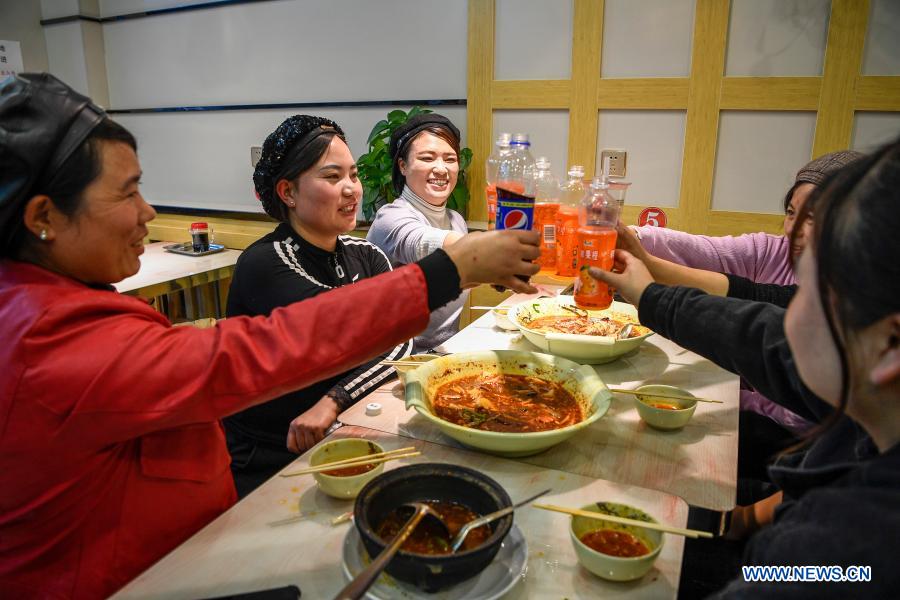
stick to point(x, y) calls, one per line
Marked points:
point(255, 155)
point(617, 158)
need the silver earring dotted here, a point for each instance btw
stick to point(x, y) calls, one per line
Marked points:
point(292, 204)
point(43, 235)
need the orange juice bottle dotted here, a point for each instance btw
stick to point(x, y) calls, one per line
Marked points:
point(570, 196)
point(596, 244)
point(492, 167)
point(546, 205)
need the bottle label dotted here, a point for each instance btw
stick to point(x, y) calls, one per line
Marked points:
point(595, 249)
point(514, 211)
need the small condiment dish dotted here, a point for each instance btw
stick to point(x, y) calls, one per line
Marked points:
point(402, 370)
point(608, 566)
point(344, 487)
point(652, 411)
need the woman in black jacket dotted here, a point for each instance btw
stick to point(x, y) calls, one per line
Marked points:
point(839, 341)
point(306, 178)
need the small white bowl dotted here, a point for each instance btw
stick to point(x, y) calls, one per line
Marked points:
point(663, 418)
point(607, 566)
point(337, 486)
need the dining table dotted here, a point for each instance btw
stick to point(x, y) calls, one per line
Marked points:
point(282, 534)
point(164, 272)
point(697, 463)
point(288, 532)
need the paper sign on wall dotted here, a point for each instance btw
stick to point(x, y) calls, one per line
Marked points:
point(10, 58)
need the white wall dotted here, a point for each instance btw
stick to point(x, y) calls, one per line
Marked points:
point(283, 51)
point(203, 159)
point(20, 21)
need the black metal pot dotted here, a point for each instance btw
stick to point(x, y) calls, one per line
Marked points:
point(432, 481)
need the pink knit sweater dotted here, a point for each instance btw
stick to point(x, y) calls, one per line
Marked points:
point(759, 257)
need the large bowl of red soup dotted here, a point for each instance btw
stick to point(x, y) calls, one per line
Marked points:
point(507, 402)
point(458, 494)
point(613, 551)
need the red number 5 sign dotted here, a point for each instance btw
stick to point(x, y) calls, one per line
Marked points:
point(655, 217)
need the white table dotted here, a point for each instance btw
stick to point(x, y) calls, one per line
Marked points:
point(243, 550)
point(164, 272)
point(697, 463)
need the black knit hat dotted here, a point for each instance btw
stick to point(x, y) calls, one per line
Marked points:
point(287, 141)
point(403, 135)
point(42, 123)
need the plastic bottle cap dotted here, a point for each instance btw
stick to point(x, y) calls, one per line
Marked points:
point(199, 225)
point(373, 409)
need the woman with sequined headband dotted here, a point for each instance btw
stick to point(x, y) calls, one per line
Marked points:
point(111, 449)
point(425, 155)
point(306, 178)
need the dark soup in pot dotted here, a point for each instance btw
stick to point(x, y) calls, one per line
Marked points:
point(428, 537)
point(509, 403)
point(615, 543)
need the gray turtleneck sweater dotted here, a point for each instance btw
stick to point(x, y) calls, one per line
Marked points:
point(409, 229)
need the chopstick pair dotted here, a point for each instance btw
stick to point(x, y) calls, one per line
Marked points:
point(663, 395)
point(691, 533)
point(405, 363)
point(500, 309)
point(376, 458)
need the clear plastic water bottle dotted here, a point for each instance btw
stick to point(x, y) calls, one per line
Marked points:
point(546, 206)
point(492, 168)
point(570, 195)
point(597, 219)
point(516, 186)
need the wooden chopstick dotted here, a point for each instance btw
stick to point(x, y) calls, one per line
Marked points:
point(691, 533)
point(358, 460)
point(499, 308)
point(663, 395)
point(406, 363)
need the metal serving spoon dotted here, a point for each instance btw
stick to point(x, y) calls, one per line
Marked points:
point(464, 531)
point(624, 332)
point(363, 581)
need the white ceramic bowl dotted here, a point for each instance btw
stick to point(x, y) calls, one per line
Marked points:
point(338, 486)
point(591, 349)
point(615, 568)
point(579, 380)
point(663, 418)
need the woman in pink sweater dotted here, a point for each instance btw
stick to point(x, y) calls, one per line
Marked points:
point(760, 257)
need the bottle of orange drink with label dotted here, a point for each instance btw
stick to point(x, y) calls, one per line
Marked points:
point(596, 244)
point(570, 195)
point(546, 205)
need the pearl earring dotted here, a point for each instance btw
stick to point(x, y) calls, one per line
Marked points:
point(43, 235)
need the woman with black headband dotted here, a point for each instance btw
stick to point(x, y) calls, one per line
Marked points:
point(111, 451)
point(425, 155)
point(307, 180)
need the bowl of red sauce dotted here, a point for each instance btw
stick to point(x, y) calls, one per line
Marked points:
point(345, 482)
point(613, 551)
point(661, 412)
point(458, 494)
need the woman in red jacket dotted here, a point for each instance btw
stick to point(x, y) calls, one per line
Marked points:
point(111, 451)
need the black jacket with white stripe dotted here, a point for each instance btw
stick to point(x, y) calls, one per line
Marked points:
point(282, 268)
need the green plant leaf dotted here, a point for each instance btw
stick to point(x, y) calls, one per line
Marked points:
point(378, 131)
point(465, 158)
point(397, 117)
